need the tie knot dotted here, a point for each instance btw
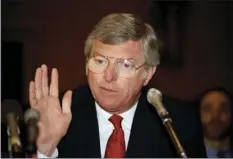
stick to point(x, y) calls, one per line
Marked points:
point(116, 121)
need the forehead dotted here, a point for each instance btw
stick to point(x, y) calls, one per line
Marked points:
point(129, 49)
point(215, 98)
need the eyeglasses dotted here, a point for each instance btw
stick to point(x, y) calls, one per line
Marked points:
point(123, 67)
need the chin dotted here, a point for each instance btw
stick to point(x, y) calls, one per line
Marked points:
point(108, 104)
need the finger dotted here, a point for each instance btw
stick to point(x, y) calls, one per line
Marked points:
point(45, 88)
point(66, 103)
point(54, 83)
point(38, 83)
point(32, 94)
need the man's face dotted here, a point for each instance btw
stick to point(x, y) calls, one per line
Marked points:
point(113, 93)
point(215, 115)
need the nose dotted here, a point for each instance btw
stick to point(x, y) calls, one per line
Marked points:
point(110, 73)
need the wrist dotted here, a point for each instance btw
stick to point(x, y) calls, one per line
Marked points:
point(47, 149)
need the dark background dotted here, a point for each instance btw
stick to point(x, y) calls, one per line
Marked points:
point(197, 38)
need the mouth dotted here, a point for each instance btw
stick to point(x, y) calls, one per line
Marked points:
point(107, 89)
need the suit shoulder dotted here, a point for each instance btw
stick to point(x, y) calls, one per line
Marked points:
point(80, 94)
point(81, 90)
point(184, 114)
point(180, 107)
point(187, 124)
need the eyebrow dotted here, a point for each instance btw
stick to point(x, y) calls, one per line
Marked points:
point(130, 59)
point(94, 53)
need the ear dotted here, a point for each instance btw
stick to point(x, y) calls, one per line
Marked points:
point(149, 74)
point(86, 70)
point(86, 67)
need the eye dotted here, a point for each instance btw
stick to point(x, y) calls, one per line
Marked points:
point(99, 60)
point(206, 107)
point(126, 65)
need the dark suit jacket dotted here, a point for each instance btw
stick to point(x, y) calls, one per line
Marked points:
point(148, 138)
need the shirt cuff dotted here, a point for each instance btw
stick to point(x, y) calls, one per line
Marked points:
point(54, 155)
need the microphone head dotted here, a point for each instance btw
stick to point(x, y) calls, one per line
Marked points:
point(153, 93)
point(154, 97)
point(11, 107)
point(31, 114)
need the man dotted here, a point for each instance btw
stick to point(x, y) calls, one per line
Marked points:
point(216, 117)
point(111, 116)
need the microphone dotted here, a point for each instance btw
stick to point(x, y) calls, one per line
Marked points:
point(12, 112)
point(31, 118)
point(154, 97)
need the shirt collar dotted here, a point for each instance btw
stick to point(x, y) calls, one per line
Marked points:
point(103, 115)
point(212, 153)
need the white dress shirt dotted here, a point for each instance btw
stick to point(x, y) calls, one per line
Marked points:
point(106, 128)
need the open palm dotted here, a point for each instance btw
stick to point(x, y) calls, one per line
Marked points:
point(54, 116)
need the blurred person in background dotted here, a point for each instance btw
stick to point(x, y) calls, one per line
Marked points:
point(215, 106)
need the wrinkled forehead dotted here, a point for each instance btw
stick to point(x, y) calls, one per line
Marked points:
point(127, 50)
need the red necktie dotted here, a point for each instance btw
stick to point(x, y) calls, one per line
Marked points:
point(116, 143)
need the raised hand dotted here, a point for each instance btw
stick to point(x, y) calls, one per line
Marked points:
point(54, 117)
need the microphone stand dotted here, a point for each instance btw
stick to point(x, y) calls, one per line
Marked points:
point(167, 122)
point(9, 148)
point(31, 133)
point(15, 149)
point(154, 97)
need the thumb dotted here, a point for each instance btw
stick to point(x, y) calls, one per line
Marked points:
point(41, 131)
point(66, 103)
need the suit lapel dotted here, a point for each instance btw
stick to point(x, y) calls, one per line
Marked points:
point(88, 131)
point(144, 137)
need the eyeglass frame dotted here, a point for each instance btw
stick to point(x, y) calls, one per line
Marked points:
point(116, 59)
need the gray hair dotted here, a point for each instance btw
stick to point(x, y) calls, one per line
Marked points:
point(120, 27)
